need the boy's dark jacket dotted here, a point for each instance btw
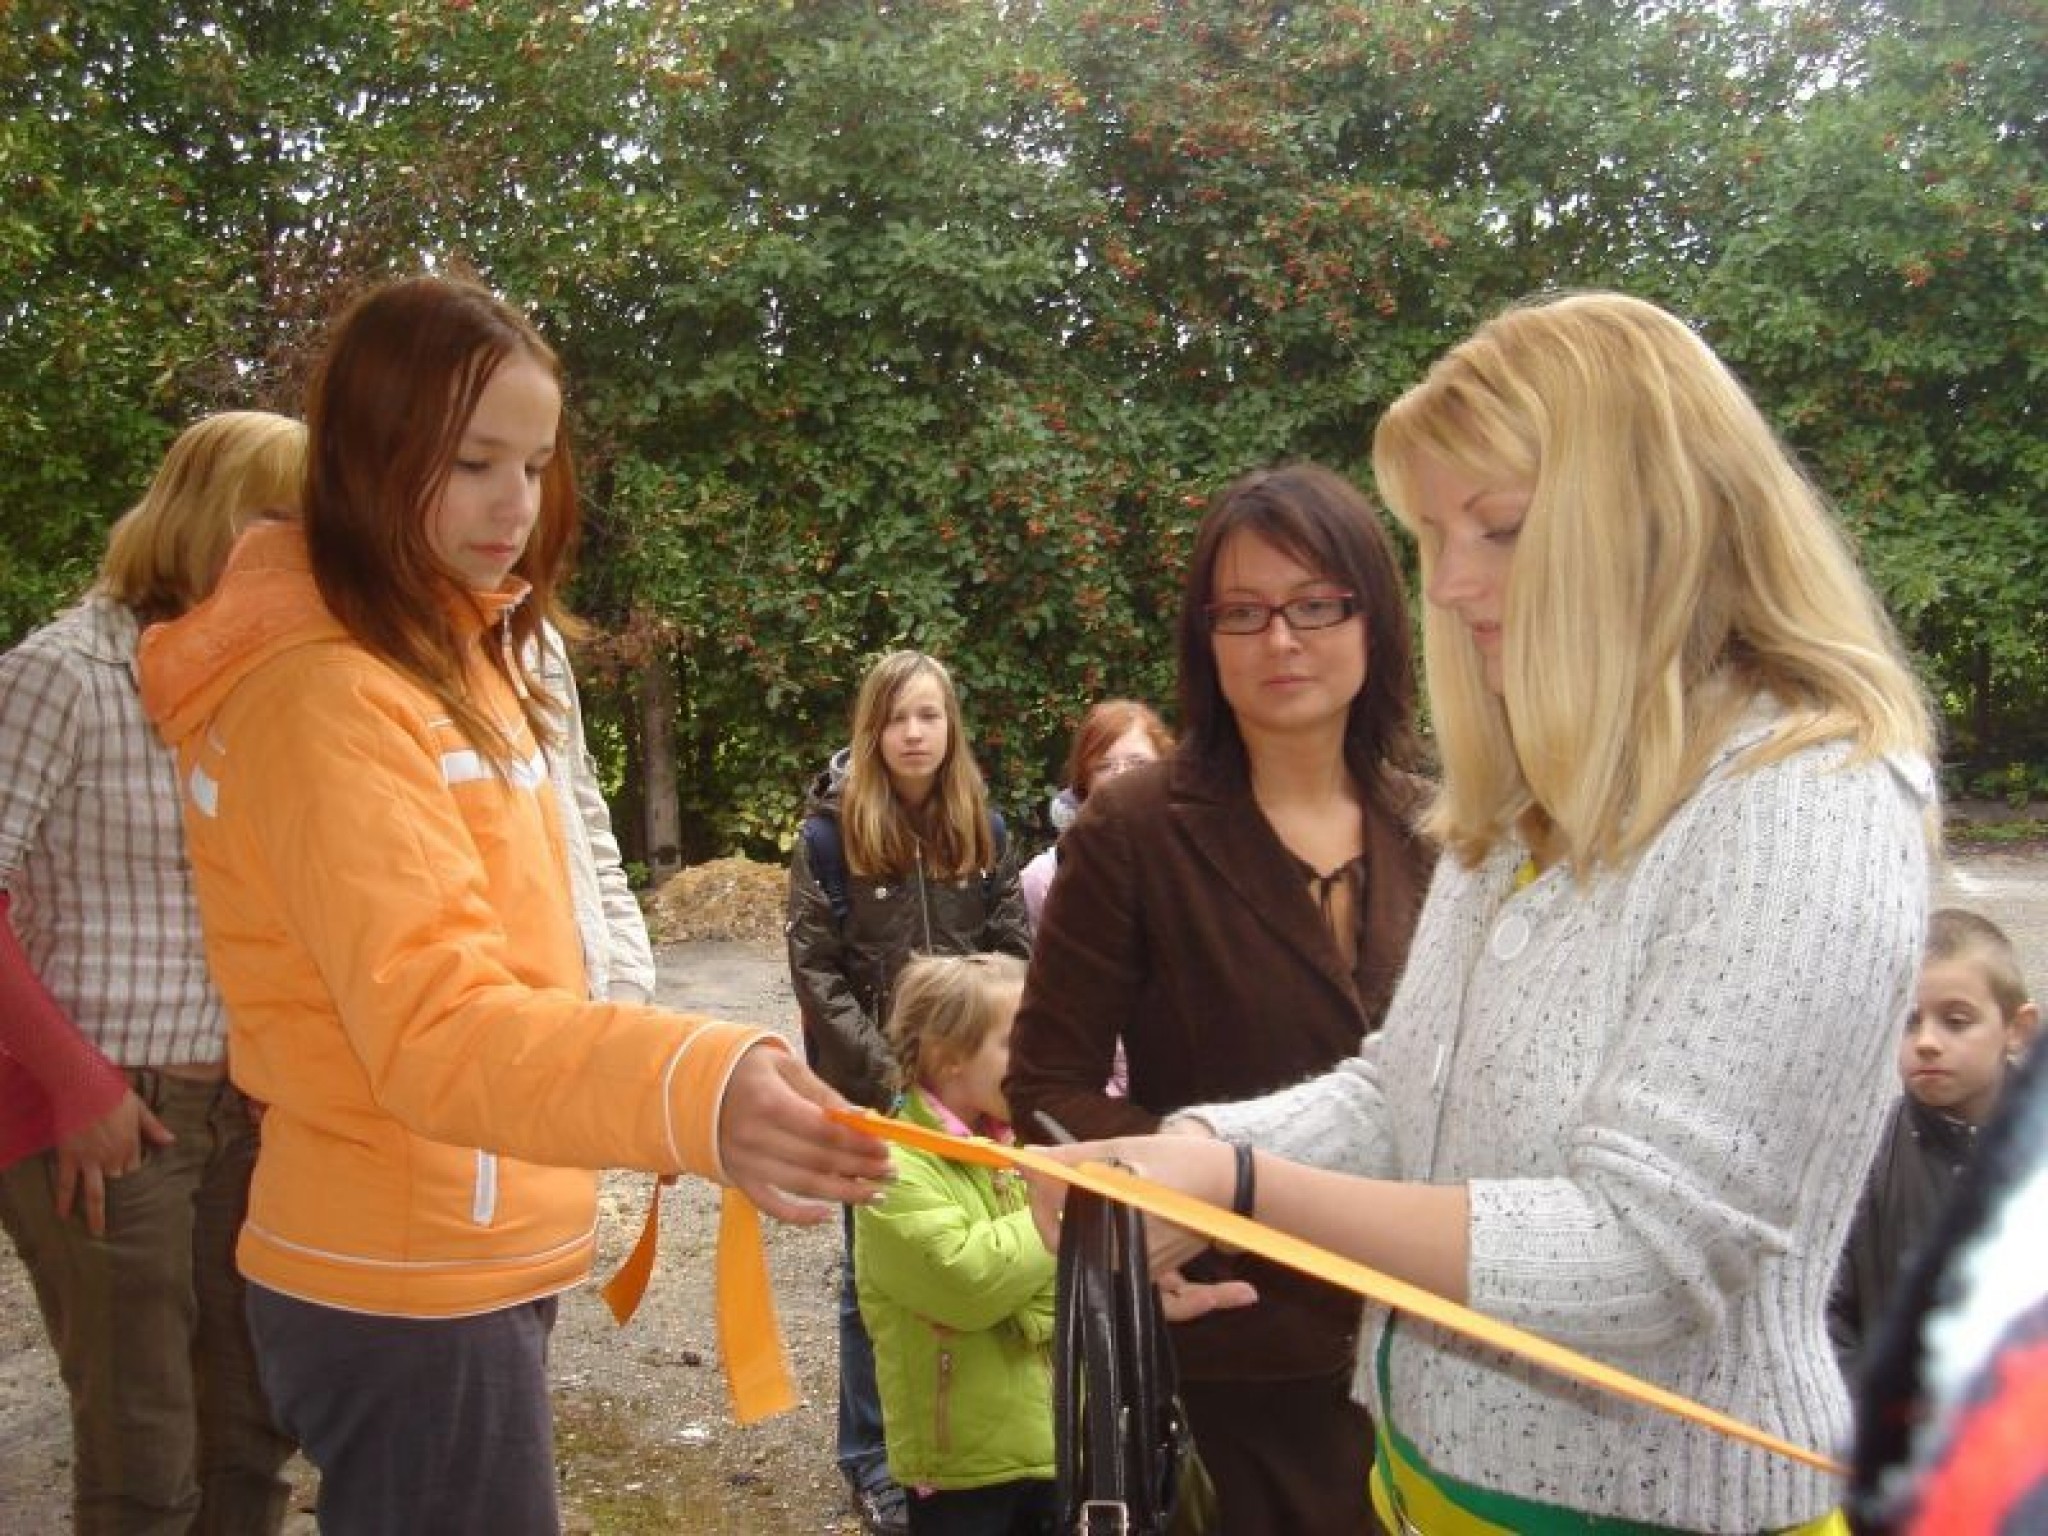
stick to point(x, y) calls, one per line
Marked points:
point(1912, 1179)
point(843, 971)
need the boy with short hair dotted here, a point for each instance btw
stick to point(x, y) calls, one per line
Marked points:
point(1972, 1018)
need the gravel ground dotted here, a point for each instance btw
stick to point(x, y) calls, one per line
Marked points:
point(646, 1443)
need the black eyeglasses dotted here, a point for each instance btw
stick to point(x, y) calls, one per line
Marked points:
point(1248, 618)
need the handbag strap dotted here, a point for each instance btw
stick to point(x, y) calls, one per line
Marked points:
point(1114, 1375)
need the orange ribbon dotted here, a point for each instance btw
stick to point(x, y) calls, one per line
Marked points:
point(1222, 1226)
point(749, 1334)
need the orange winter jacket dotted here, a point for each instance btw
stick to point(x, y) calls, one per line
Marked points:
point(390, 923)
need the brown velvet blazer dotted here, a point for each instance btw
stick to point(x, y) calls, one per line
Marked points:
point(1179, 923)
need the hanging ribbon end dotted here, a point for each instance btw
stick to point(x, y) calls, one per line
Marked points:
point(749, 1333)
point(623, 1292)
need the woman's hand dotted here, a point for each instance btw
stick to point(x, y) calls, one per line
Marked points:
point(780, 1148)
point(1195, 1165)
point(109, 1147)
point(1182, 1300)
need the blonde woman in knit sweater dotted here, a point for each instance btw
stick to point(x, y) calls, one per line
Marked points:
point(1638, 1061)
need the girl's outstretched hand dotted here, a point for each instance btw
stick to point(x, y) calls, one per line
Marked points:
point(783, 1151)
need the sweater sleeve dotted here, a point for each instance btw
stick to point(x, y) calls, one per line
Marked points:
point(59, 1083)
point(1772, 935)
point(53, 1082)
point(1337, 1121)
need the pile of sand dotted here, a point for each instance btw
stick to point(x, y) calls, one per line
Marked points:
point(732, 898)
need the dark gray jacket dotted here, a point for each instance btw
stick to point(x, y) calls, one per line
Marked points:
point(843, 971)
point(1920, 1156)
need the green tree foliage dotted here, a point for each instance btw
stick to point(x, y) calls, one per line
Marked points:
point(935, 323)
point(861, 421)
point(1888, 293)
point(134, 140)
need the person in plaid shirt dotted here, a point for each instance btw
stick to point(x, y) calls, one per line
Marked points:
point(128, 1151)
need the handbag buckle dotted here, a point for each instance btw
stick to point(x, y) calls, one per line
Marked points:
point(1115, 1512)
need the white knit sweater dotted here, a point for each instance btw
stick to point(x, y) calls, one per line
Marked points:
point(1662, 1090)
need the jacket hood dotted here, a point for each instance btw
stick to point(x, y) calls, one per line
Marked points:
point(822, 798)
point(266, 604)
point(1063, 808)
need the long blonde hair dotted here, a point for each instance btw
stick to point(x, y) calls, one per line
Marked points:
point(220, 474)
point(880, 833)
point(1674, 563)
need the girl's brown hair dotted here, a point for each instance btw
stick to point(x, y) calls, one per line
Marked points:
point(882, 835)
point(944, 1007)
point(388, 404)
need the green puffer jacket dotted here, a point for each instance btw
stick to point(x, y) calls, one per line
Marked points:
point(957, 1291)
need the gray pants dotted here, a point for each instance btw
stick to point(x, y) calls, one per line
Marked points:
point(416, 1424)
point(169, 1428)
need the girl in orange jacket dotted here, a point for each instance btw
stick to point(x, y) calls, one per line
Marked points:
point(382, 882)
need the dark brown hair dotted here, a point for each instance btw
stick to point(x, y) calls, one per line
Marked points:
point(385, 413)
point(1324, 521)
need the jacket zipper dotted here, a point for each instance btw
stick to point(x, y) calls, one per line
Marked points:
point(514, 674)
point(924, 899)
point(942, 1408)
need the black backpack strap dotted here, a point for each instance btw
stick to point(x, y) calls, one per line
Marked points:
point(828, 861)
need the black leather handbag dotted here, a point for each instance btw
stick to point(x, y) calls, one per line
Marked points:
point(1127, 1461)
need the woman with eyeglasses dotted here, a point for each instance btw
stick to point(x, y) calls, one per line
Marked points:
point(1239, 919)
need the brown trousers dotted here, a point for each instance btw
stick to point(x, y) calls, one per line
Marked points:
point(1289, 1458)
point(170, 1432)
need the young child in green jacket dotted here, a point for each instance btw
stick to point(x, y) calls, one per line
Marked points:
point(956, 1287)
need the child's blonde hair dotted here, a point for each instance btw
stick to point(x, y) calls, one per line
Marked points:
point(945, 1006)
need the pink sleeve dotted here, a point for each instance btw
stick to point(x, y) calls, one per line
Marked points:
point(52, 1080)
